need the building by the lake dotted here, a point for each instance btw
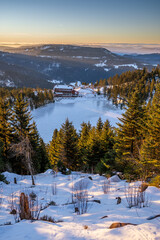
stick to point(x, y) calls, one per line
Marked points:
point(65, 91)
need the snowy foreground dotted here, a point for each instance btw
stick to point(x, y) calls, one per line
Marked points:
point(70, 225)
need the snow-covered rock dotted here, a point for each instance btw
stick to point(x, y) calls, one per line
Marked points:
point(114, 178)
point(82, 184)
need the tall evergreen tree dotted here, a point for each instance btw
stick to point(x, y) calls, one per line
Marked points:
point(21, 120)
point(129, 134)
point(63, 149)
point(151, 147)
point(94, 153)
point(69, 150)
point(6, 130)
point(35, 143)
point(1, 158)
point(24, 129)
point(43, 156)
point(99, 126)
point(107, 137)
point(82, 144)
point(54, 149)
point(107, 161)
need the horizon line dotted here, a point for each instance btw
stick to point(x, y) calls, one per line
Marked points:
point(73, 43)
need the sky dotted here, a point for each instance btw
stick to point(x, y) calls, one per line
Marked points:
point(80, 21)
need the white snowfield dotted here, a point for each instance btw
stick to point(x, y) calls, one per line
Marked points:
point(101, 64)
point(63, 87)
point(7, 82)
point(88, 226)
point(55, 81)
point(134, 65)
point(87, 92)
point(78, 84)
point(107, 69)
point(2, 73)
point(84, 57)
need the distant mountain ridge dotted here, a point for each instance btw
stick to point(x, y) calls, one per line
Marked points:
point(43, 65)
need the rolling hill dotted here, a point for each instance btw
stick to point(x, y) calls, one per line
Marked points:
point(45, 65)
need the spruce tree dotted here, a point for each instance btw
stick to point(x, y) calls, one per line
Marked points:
point(68, 148)
point(82, 144)
point(21, 120)
point(24, 129)
point(129, 135)
point(6, 130)
point(94, 153)
point(99, 126)
point(107, 161)
point(151, 146)
point(35, 143)
point(106, 137)
point(43, 156)
point(1, 158)
point(54, 149)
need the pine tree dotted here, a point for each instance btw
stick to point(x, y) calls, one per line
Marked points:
point(94, 153)
point(43, 156)
point(21, 120)
point(24, 129)
point(82, 144)
point(63, 149)
point(107, 161)
point(1, 158)
point(6, 130)
point(129, 134)
point(99, 126)
point(35, 143)
point(107, 137)
point(151, 147)
point(54, 149)
point(68, 148)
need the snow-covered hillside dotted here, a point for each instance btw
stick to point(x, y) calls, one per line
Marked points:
point(32, 66)
point(94, 224)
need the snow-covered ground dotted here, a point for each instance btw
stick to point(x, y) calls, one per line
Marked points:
point(86, 108)
point(107, 69)
point(94, 224)
point(7, 83)
point(55, 81)
point(101, 64)
point(127, 65)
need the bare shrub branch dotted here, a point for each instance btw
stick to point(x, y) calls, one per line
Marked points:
point(106, 186)
point(80, 197)
point(135, 197)
point(54, 188)
point(28, 207)
point(24, 150)
point(1, 194)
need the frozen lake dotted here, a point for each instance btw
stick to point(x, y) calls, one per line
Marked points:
point(77, 110)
